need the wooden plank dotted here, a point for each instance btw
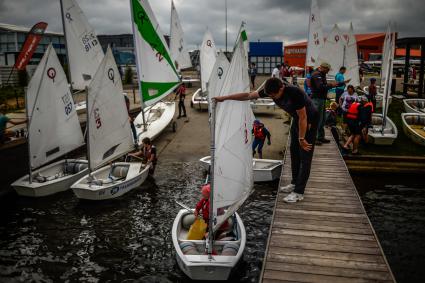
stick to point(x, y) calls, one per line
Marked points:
point(334, 263)
point(320, 219)
point(321, 234)
point(324, 270)
point(314, 278)
point(328, 241)
point(294, 243)
point(325, 213)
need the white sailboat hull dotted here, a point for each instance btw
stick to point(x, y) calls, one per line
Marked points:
point(198, 101)
point(51, 179)
point(157, 117)
point(414, 105)
point(199, 266)
point(262, 105)
point(106, 187)
point(413, 119)
point(265, 170)
point(379, 137)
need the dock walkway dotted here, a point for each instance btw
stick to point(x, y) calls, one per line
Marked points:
point(327, 237)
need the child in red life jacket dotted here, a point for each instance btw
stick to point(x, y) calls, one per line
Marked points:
point(260, 134)
point(203, 206)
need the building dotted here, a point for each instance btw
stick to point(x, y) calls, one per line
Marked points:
point(122, 46)
point(13, 37)
point(266, 55)
point(369, 48)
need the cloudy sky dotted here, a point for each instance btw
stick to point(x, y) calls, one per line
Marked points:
point(267, 20)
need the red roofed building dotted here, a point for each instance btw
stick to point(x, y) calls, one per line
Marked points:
point(294, 54)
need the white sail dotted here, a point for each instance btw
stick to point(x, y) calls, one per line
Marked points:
point(218, 76)
point(385, 54)
point(315, 35)
point(157, 74)
point(83, 47)
point(332, 51)
point(54, 129)
point(351, 60)
point(177, 44)
point(389, 50)
point(109, 134)
point(208, 55)
point(233, 177)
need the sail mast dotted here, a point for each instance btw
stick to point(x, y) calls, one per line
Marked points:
point(137, 69)
point(211, 200)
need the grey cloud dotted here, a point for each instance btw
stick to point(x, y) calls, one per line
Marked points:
point(267, 20)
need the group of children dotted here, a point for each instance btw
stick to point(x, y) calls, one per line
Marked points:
point(356, 112)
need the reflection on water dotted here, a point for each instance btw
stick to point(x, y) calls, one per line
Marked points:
point(395, 205)
point(60, 238)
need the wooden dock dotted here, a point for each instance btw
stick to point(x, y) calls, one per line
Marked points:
point(327, 237)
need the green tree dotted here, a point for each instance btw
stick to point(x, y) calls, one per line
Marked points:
point(128, 76)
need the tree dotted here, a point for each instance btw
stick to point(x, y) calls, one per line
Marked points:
point(128, 76)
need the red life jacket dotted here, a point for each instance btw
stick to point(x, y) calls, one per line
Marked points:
point(371, 106)
point(259, 133)
point(353, 111)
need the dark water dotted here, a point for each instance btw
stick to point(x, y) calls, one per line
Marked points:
point(60, 238)
point(395, 205)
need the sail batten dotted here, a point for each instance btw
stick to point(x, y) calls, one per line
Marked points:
point(109, 133)
point(54, 129)
point(157, 73)
point(83, 47)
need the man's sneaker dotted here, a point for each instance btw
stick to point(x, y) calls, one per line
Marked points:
point(318, 142)
point(293, 197)
point(323, 140)
point(287, 189)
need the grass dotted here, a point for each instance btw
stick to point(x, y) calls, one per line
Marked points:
point(402, 146)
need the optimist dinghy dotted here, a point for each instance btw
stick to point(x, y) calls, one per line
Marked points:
point(53, 131)
point(215, 257)
point(414, 127)
point(158, 76)
point(109, 138)
point(384, 131)
point(414, 105)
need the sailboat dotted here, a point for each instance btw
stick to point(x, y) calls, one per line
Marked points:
point(207, 58)
point(231, 184)
point(384, 131)
point(53, 131)
point(109, 138)
point(315, 35)
point(158, 77)
point(83, 48)
point(178, 49)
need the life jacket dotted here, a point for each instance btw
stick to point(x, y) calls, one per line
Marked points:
point(259, 133)
point(369, 104)
point(147, 154)
point(353, 111)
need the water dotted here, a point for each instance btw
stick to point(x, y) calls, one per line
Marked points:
point(60, 238)
point(395, 205)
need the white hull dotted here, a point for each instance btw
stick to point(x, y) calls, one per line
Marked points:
point(104, 187)
point(198, 101)
point(413, 119)
point(265, 170)
point(379, 137)
point(414, 105)
point(157, 118)
point(199, 266)
point(81, 107)
point(51, 179)
point(262, 105)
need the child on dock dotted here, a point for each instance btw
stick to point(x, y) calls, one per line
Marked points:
point(260, 134)
point(203, 206)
